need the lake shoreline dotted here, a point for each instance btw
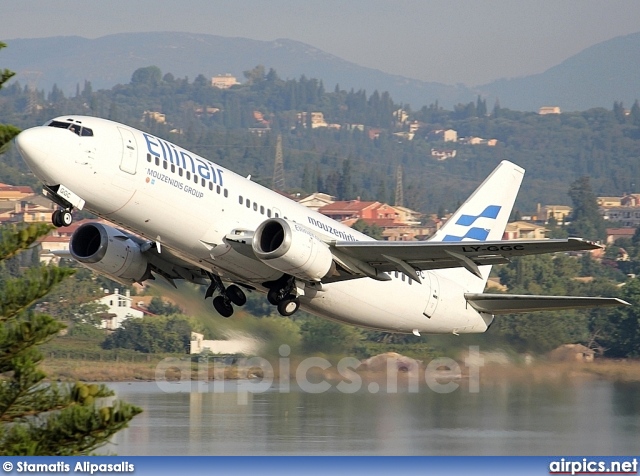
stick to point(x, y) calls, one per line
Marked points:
point(176, 369)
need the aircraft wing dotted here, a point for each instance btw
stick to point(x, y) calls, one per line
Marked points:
point(407, 257)
point(514, 303)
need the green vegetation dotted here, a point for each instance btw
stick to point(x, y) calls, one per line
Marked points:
point(556, 150)
point(38, 418)
point(152, 335)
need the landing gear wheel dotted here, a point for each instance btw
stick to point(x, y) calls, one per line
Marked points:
point(236, 295)
point(61, 218)
point(224, 307)
point(273, 296)
point(56, 218)
point(289, 305)
point(66, 218)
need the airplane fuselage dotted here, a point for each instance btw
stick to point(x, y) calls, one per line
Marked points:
point(189, 205)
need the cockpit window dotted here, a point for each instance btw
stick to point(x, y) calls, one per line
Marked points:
point(75, 128)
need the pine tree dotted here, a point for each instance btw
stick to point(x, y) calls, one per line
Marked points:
point(586, 221)
point(36, 417)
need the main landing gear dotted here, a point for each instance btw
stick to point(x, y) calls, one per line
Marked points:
point(229, 295)
point(282, 293)
point(61, 217)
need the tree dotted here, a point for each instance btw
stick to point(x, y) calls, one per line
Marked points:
point(586, 220)
point(373, 230)
point(7, 132)
point(37, 419)
point(322, 335)
point(151, 76)
point(75, 300)
point(159, 306)
point(152, 335)
point(620, 331)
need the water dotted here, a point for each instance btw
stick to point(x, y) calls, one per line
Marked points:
point(591, 417)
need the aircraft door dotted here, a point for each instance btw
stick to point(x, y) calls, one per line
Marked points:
point(434, 295)
point(129, 160)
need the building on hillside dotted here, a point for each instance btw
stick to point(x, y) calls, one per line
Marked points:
point(406, 216)
point(443, 154)
point(317, 200)
point(356, 209)
point(316, 119)
point(224, 81)
point(557, 212)
point(239, 345)
point(549, 110)
point(401, 116)
point(120, 309)
point(398, 232)
point(445, 135)
point(614, 234)
point(31, 213)
point(630, 200)
point(14, 192)
point(415, 126)
point(404, 135)
point(608, 202)
point(626, 216)
point(154, 116)
point(522, 230)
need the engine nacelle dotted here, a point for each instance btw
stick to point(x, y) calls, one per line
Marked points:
point(108, 251)
point(292, 249)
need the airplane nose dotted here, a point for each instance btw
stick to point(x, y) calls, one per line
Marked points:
point(31, 145)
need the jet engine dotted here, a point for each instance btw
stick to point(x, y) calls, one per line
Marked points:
point(109, 251)
point(292, 249)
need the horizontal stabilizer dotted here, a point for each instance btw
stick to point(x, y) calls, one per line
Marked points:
point(514, 303)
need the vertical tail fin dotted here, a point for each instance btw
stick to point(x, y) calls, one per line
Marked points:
point(482, 217)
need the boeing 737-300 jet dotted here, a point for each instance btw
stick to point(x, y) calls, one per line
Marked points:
point(181, 216)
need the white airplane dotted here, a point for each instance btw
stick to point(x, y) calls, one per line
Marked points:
point(184, 217)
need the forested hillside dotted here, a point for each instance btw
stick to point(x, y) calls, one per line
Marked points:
point(360, 155)
point(356, 154)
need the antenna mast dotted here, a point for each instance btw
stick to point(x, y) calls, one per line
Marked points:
point(278, 168)
point(399, 187)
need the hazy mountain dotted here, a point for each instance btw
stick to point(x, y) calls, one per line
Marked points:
point(109, 60)
point(598, 76)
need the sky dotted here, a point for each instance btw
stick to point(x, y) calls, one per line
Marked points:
point(449, 41)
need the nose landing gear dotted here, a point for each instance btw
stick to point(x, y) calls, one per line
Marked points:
point(61, 218)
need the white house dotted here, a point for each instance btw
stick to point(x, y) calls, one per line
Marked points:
point(317, 200)
point(119, 309)
point(237, 345)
